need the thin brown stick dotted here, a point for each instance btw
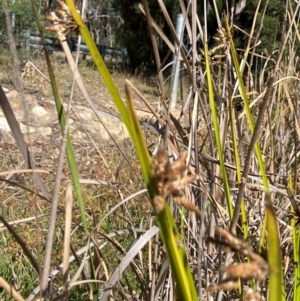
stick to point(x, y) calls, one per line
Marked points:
point(14, 294)
point(155, 49)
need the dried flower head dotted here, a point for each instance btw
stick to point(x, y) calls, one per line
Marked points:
point(257, 268)
point(251, 295)
point(62, 21)
point(223, 40)
point(170, 179)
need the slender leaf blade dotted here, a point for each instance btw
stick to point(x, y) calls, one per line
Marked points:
point(276, 284)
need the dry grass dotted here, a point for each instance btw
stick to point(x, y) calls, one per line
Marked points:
point(103, 164)
point(193, 131)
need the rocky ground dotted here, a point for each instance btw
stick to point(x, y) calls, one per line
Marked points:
point(37, 115)
point(38, 121)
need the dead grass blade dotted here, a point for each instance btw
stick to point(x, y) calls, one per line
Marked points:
point(99, 182)
point(160, 120)
point(161, 279)
point(53, 209)
point(22, 221)
point(14, 294)
point(184, 12)
point(11, 172)
point(121, 203)
point(25, 189)
point(67, 238)
point(158, 30)
point(127, 260)
point(84, 250)
point(81, 266)
point(155, 49)
point(193, 130)
point(73, 280)
point(22, 244)
point(15, 129)
point(292, 108)
point(146, 102)
point(124, 296)
point(173, 31)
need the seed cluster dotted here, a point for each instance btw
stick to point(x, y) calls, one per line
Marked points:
point(170, 179)
point(256, 268)
point(62, 21)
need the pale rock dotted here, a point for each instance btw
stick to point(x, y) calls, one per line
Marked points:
point(4, 125)
point(12, 94)
point(27, 129)
point(37, 122)
point(176, 112)
point(39, 111)
point(6, 137)
point(79, 136)
point(86, 115)
point(30, 99)
point(44, 131)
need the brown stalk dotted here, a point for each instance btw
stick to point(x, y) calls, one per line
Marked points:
point(257, 130)
point(13, 293)
point(67, 238)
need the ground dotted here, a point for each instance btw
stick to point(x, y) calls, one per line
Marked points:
point(100, 164)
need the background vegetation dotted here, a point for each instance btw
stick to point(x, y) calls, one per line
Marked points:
point(120, 23)
point(201, 203)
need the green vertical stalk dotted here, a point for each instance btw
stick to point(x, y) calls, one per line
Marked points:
point(217, 131)
point(238, 168)
point(172, 240)
point(296, 247)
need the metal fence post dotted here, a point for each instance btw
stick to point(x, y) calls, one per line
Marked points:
point(176, 65)
point(26, 37)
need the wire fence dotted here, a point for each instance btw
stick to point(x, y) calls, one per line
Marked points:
point(31, 43)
